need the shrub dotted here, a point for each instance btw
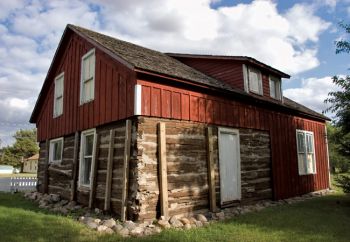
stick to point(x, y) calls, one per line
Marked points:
point(343, 181)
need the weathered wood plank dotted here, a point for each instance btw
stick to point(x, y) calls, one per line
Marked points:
point(46, 168)
point(75, 167)
point(125, 180)
point(164, 211)
point(211, 170)
point(109, 175)
point(93, 172)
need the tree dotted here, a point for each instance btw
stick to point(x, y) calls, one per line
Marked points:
point(339, 101)
point(24, 147)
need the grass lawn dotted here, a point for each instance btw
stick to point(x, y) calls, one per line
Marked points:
point(320, 219)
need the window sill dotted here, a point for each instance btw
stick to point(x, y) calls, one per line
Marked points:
point(86, 102)
point(307, 174)
point(84, 188)
point(256, 93)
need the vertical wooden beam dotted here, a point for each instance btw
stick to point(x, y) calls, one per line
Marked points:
point(109, 170)
point(125, 178)
point(75, 167)
point(211, 170)
point(94, 171)
point(163, 174)
point(46, 168)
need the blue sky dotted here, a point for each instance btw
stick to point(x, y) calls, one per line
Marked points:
point(296, 37)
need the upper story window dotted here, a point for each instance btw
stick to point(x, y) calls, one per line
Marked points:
point(252, 80)
point(58, 101)
point(87, 85)
point(56, 150)
point(275, 88)
point(306, 152)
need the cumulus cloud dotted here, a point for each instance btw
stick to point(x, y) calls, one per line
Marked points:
point(312, 92)
point(31, 30)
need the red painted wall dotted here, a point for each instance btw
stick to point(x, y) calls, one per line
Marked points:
point(228, 71)
point(166, 101)
point(114, 93)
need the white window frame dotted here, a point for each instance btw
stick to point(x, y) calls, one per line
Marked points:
point(305, 153)
point(55, 114)
point(51, 151)
point(278, 91)
point(82, 156)
point(82, 81)
point(246, 78)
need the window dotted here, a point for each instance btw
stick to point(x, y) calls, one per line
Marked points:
point(252, 80)
point(58, 101)
point(86, 156)
point(275, 88)
point(87, 85)
point(306, 152)
point(56, 148)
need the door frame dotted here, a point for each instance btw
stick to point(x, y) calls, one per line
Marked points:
point(235, 132)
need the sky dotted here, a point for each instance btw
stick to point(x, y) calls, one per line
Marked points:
point(296, 37)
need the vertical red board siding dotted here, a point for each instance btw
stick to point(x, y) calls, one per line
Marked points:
point(156, 102)
point(110, 99)
point(185, 106)
point(166, 103)
point(194, 105)
point(199, 107)
point(176, 105)
point(146, 100)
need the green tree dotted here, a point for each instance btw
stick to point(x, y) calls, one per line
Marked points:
point(25, 146)
point(339, 101)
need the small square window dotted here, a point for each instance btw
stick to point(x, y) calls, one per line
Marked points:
point(252, 80)
point(56, 148)
point(275, 88)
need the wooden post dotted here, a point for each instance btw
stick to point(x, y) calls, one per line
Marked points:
point(46, 168)
point(75, 167)
point(211, 170)
point(109, 170)
point(125, 179)
point(94, 171)
point(163, 174)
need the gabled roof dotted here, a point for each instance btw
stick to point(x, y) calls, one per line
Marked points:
point(150, 60)
point(245, 59)
point(34, 157)
point(141, 59)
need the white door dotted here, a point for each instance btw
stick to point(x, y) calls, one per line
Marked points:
point(230, 168)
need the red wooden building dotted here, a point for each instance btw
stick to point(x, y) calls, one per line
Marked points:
point(142, 133)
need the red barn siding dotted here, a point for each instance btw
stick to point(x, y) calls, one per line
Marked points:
point(195, 106)
point(227, 71)
point(114, 95)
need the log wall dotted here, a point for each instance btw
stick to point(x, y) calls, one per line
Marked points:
point(186, 157)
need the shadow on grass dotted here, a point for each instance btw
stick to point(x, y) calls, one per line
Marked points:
point(319, 219)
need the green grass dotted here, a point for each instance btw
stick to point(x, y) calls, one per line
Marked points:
point(320, 219)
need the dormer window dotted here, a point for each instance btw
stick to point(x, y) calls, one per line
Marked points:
point(252, 80)
point(87, 85)
point(275, 88)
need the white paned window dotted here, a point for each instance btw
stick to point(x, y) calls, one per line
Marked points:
point(254, 80)
point(58, 101)
point(275, 88)
point(306, 152)
point(86, 157)
point(87, 85)
point(56, 150)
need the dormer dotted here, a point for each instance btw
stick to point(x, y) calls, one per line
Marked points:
point(244, 73)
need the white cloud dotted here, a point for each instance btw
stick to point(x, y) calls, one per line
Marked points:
point(312, 92)
point(31, 30)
